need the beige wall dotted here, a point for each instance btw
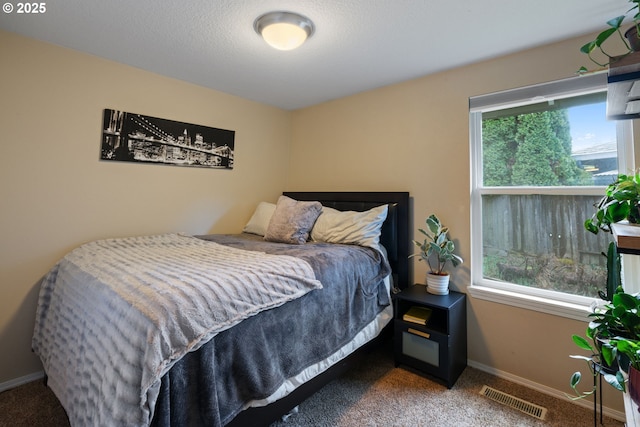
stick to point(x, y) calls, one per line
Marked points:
point(414, 136)
point(55, 193)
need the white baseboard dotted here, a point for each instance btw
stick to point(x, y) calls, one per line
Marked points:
point(8, 385)
point(586, 403)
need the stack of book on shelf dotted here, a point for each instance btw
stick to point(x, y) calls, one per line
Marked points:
point(419, 315)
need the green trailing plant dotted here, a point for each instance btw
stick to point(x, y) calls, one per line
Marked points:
point(615, 27)
point(618, 318)
point(612, 350)
point(436, 249)
point(613, 333)
point(628, 348)
point(623, 349)
point(619, 203)
point(599, 362)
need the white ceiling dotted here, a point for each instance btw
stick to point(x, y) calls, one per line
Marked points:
point(358, 44)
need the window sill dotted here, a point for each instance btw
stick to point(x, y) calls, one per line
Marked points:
point(529, 302)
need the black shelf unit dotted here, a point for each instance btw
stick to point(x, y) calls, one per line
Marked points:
point(438, 348)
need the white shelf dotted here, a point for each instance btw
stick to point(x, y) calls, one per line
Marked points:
point(631, 411)
point(627, 237)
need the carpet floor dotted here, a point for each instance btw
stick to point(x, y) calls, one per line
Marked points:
point(375, 394)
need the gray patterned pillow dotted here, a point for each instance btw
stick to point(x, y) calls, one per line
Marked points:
point(292, 221)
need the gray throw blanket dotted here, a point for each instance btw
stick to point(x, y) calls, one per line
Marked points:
point(209, 387)
point(115, 315)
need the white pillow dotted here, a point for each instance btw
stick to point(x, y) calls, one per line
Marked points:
point(350, 227)
point(260, 220)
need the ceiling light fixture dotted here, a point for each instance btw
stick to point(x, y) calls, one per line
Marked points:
point(284, 30)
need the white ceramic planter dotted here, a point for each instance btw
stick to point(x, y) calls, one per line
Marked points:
point(438, 284)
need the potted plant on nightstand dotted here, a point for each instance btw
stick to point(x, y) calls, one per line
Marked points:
point(436, 250)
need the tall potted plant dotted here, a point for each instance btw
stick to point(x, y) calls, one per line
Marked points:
point(437, 250)
point(615, 26)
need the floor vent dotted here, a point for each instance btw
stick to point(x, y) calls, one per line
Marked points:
point(521, 405)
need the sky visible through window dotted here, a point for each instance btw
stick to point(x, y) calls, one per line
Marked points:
point(590, 127)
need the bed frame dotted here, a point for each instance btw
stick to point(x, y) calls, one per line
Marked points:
point(395, 239)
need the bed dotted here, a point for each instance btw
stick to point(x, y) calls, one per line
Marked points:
point(237, 364)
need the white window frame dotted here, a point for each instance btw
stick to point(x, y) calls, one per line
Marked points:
point(546, 301)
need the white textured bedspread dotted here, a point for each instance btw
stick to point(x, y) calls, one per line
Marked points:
point(114, 315)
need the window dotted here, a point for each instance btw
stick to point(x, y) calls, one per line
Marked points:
point(541, 156)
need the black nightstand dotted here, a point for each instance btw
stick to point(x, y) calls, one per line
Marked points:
point(438, 348)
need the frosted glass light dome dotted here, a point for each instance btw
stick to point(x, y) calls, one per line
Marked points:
point(284, 30)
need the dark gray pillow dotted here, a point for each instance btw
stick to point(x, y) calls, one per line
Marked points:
point(292, 221)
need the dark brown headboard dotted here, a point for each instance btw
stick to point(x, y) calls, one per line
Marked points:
point(395, 230)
